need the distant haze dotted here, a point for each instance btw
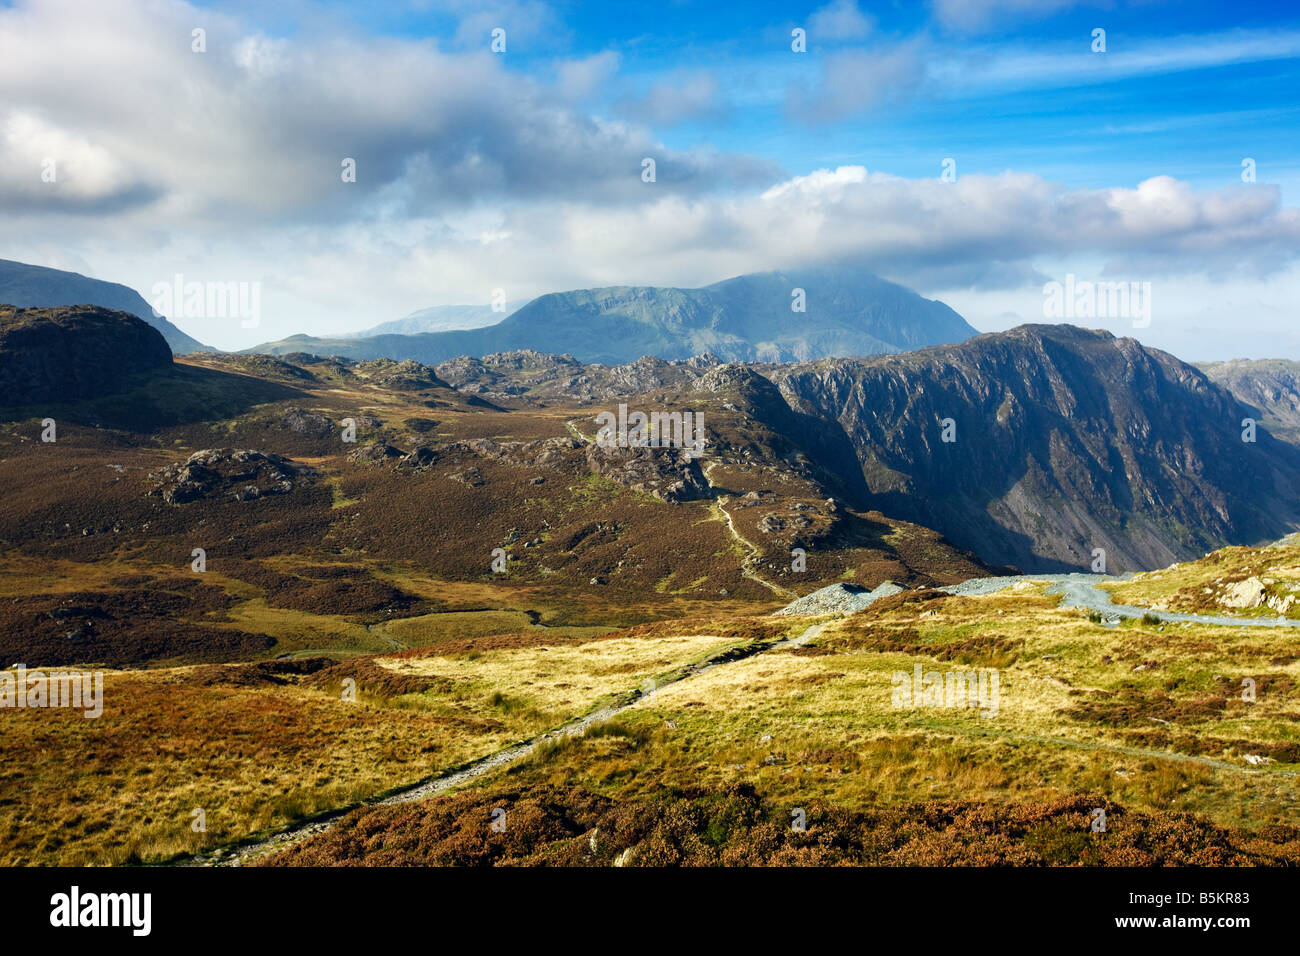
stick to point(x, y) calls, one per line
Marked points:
point(770, 317)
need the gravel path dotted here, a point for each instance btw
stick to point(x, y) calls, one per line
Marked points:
point(754, 554)
point(1081, 591)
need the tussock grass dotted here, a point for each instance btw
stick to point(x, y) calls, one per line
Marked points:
point(258, 754)
point(804, 725)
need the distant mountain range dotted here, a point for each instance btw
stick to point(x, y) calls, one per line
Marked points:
point(1270, 387)
point(1064, 440)
point(36, 287)
point(441, 318)
point(769, 317)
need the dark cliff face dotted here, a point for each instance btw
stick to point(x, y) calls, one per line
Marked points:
point(1066, 441)
point(74, 353)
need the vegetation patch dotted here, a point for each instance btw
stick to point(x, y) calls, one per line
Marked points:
point(737, 826)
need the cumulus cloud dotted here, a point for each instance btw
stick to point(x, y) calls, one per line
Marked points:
point(50, 167)
point(981, 232)
point(988, 228)
point(471, 177)
point(577, 80)
point(839, 20)
point(256, 128)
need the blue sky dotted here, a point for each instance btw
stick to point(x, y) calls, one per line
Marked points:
point(521, 170)
point(1160, 101)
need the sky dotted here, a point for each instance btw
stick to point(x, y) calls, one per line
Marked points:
point(975, 150)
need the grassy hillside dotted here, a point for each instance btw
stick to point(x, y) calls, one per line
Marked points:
point(622, 690)
point(1143, 722)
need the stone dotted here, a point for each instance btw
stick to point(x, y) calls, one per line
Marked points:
point(1244, 594)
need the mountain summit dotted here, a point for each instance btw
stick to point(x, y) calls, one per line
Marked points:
point(798, 315)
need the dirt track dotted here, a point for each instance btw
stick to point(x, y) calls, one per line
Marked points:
point(1081, 591)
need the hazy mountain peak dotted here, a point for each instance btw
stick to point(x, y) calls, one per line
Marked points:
point(794, 315)
point(442, 318)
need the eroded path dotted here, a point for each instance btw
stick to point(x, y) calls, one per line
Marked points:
point(753, 554)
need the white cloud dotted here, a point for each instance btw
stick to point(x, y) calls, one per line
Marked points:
point(577, 80)
point(817, 185)
point(1003, 232)
point(839, 20)
point(975, 15)
point(254, 130)
point(528, 23)
point(261, 57)
point(910, 226)
point(49, 166)
point(224, 166)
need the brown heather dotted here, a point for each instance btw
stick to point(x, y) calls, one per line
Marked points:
point(735, 826)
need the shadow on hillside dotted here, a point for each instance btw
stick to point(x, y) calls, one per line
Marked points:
point(831, 450)
point(1151, 466)
point(967, 520)
point(183, 394)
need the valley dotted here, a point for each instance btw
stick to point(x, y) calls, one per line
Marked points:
point(307, 642)
point(444, 444)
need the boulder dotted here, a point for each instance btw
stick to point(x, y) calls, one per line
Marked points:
point(1244, 594)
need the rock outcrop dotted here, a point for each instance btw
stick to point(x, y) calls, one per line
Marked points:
point(74, 353)
point(244, 475)
point(669, 474)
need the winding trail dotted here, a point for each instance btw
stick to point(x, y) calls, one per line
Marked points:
point(1077, 590)
point(576, 432)
point(753, 554)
